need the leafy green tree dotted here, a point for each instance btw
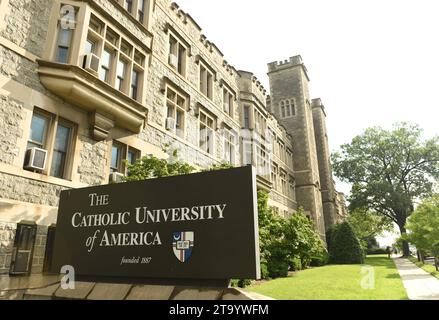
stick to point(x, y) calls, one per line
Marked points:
point(286, 243)
point(150, 167)
point(367, 225)
point(423, 226)
point(345, 247)
point(389, 170)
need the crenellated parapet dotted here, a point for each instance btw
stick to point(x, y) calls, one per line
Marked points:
point(295, 61)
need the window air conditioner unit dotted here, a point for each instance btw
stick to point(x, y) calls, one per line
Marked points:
point(91, 62)
point(35, 159)
point(170, 124)
point(173, 60)
point(116, 177)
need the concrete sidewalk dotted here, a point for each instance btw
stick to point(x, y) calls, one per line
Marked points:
point(420, 285)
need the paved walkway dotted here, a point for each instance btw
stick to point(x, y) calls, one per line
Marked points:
point(420, 285)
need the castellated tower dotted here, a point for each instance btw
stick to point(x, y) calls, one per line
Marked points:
point(290, 103)
point(326, 181)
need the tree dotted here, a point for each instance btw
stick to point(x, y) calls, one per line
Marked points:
point(368, 225)
point(150, 167)
point(389, 170)
point(423, 226)
point(345, 247)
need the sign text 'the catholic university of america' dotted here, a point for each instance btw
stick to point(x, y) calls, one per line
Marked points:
point(198, 226)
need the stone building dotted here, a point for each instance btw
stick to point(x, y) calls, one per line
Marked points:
point(87, 84)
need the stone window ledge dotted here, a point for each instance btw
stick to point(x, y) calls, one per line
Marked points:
point(108, 106)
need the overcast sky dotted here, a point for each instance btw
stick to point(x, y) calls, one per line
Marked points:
point(372, 62)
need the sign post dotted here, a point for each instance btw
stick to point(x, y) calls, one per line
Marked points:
point(198, 228)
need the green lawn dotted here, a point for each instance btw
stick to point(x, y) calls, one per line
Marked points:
point(337, 282)
point(427, 267)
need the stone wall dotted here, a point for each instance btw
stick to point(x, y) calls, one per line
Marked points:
point(289, 80)
point(93, 161)
point(19, 69)
point(160, 73)
point(39, 249)
point(29, 190)
point(12, 114)
point(325, 170)
point(26, 24)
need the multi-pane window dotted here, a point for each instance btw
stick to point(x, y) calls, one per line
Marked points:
point(206, 81)
point(137, 8)
point(283, 182)
point(176, 111)
point(207, 124)
point(55, 135)
point(287, 109)
point(104, 71)
point(120, 155)
point(228, 102)
point(260, 123)
point(229, 146)
point(262, 162)
point(177, 55)
point(121, 63)
point(281, 151)
point(246, 117)
point(274, 175)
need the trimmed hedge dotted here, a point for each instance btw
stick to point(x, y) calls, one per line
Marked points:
point(344, 246)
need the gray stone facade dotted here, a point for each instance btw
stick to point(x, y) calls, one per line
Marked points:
point(28, 35)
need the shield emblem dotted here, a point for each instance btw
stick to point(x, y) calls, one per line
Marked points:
point(182, 244)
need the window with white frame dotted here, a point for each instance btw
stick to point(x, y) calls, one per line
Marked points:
point(229, 146)
point(176, 106)
point(177, 55)
point(287, 109)
point(207, 125)
point(206, 81)
point(122, 64)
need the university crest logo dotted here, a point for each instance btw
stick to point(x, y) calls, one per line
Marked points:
point(183, 243)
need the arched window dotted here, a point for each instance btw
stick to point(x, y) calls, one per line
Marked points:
point(287, 109)
point(282, 109)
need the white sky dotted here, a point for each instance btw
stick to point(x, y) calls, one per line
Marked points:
point(372, 62)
